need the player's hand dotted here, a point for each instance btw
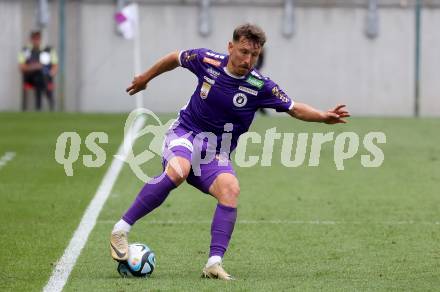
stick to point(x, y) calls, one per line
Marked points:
point(52, 72)
point(137, 85)
point(34, 66)
point(336, 115)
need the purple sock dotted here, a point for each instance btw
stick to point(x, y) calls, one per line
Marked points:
point(150, 197)
point(221, 229)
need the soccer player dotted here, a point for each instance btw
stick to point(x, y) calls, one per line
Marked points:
point(228, 94)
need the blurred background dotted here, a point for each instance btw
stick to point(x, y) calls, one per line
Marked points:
point(380, 57)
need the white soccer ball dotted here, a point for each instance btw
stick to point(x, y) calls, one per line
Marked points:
point(141, 261)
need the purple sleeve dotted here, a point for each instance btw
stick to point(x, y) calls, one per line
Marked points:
point(192, 59)
point(274, 97)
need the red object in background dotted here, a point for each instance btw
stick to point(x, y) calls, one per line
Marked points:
point(28, 86)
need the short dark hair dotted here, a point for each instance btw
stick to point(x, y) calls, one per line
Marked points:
point(35, 34)
point(251, 32)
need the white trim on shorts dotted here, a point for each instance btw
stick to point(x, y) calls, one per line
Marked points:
point(181, 142)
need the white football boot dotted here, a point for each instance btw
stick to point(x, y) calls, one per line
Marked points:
point(216, 271)
point(119, 245)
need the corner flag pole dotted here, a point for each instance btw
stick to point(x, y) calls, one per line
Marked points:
point(418, 13)
point(137, 53)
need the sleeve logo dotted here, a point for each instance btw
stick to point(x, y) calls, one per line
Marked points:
point(277, 93)
point(189, 57)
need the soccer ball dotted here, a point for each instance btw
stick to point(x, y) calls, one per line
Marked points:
point(141, 261)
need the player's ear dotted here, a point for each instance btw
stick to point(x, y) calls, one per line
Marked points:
point(230, 46)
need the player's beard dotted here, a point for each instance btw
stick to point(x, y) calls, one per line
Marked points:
point(239, 69)
point(243, 70)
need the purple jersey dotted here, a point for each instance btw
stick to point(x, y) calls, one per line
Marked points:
point(222, 98)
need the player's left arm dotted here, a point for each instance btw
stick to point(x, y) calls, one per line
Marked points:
point(307, 113)
point(54, 61)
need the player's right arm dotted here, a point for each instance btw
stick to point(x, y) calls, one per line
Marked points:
point(167, 63)
point(24, 67)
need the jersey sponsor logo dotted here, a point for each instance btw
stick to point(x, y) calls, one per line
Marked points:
point(204, 90)
point(276, 92)
point(209, 80)
point(255, 82)
point(217, 56)
point(240, 99)
point(213, 62)
point(212, 72)
point(248, 90)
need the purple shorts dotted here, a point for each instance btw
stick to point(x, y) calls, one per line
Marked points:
point(206, 164)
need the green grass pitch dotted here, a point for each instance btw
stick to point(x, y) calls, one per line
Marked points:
point(303, 228)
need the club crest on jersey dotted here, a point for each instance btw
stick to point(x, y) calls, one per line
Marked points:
point(204, 90)
point(213, 62)
point(255, 82)
point(240, 99)
point(248, 90)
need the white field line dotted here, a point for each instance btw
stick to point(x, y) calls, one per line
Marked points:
point(66, 263)
point(286, 222)
point(8, 156)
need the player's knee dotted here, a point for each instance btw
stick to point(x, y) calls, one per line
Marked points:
point(178, 169)
point(229, 195)
point(234, 190)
